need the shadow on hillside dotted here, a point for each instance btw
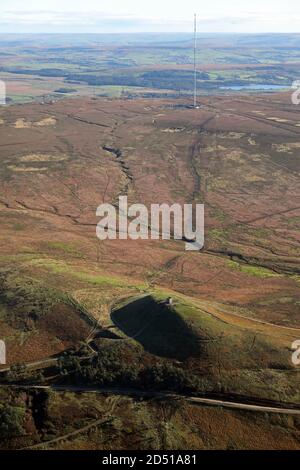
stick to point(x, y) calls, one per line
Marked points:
point(158, 328)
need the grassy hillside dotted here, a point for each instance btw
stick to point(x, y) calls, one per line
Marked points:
point(236, 355)
point(36, 320)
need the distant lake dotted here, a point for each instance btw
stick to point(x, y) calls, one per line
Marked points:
point(252, 86)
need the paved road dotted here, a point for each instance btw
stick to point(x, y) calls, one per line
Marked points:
point(140, 393)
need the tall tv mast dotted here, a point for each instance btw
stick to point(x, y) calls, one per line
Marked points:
point(195, 70)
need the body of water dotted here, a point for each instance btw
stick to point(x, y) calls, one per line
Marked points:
point(254, 87)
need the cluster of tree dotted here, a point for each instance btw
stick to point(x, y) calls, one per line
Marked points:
point(128, 366)
point(168, 79)
point(20, 373)
point(11, 421)
point(65, 90)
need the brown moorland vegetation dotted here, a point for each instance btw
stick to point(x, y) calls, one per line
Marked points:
point(237, 155)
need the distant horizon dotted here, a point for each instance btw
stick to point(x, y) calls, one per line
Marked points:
point(118, 17)
point(157, 33)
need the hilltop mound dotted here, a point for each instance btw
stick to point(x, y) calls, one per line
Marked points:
point(237, 355)
point(158, 327)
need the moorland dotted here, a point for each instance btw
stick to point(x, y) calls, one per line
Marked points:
point(96, 357)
